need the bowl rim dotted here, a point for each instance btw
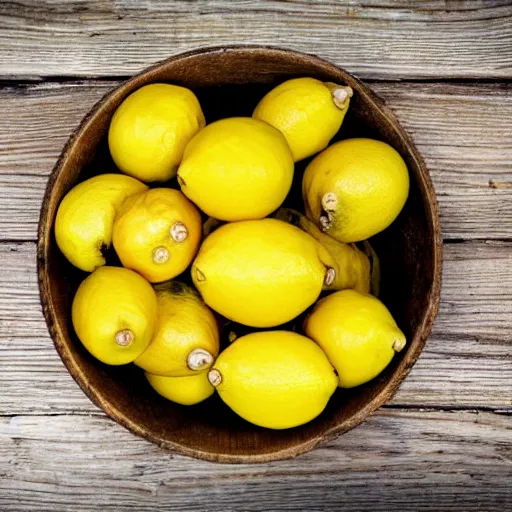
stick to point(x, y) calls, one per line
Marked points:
point(402, 370)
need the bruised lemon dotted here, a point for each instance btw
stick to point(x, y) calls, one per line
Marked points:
point(261, 273)
point(274, 379)
point(307, 111)
point(182, 390)
point(157, 233)
point(114, 314)
point(237, 169)
point(150, 129)
point(355, 188)
point(358, 334)
point(351, 267)
point(83, 225)
point(186, 338)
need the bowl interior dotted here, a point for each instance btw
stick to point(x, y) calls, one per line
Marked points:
point(230, 83)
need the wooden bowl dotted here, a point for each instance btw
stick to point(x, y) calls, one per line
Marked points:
point(229, 82)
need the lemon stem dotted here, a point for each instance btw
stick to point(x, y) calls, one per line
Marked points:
point(215, 377)
point(200, 276)
point(341, 95)
point(124, 338)
point(325, 223)
point(399, 344)
point(329, 202)
point(181, 181)
point(330, 276)
point(329, 205)
point(160, 255)
point(179, 232)
point(199, 359)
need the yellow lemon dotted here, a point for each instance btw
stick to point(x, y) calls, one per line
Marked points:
point(150, 129)
point(186, 338)
point(358, 334)
point(114, 314)
point(83, 225)
point(237, 169)
point(260, 273)
point(274, 379)
point(355, 188)
point(182, 390)
point(157, 233)
point(308, 112)
point(352, 268)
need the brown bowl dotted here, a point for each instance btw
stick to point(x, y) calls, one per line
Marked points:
point(229, 82)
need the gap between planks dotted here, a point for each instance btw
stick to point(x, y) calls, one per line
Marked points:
point(402, 407)
point(27, 81)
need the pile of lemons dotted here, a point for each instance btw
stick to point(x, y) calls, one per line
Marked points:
point(243, 261)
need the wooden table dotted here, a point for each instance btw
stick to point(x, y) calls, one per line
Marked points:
point(445, 67)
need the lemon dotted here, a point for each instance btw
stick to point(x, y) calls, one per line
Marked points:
point(114, 314)
point(237, 169)
point(182, 390)
point(358, 334)
point(186, 338)
point(260, 273)
point(274, 379)
point(307, 111)
point(355, 188)
point(351, 269)
point(157, 233)
point(83, 225)
point(150, 129)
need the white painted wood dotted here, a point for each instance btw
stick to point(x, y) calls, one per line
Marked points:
point(463, 131)
point(376, 39)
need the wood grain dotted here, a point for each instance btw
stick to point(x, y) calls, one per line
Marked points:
point(396, 460)
point(467, 361)
point(399, 459)
point(469, 156)
point(376, 39)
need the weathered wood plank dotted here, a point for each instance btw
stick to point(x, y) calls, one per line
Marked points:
point(467, 361)
point(397, 460)
point(373, 39)
point(463, 131)
point(467, 146)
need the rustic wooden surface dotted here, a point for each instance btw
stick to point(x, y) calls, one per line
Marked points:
point(445, 441)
